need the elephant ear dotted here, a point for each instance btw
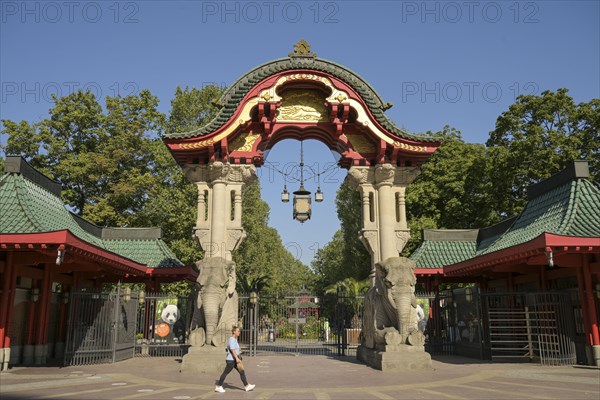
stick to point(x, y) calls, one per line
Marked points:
point(380, 274)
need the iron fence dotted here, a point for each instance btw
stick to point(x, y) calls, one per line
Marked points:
point(101, 327)
point(530, 326)
point(302, 324)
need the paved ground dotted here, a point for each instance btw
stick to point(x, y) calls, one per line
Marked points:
point(303, 377)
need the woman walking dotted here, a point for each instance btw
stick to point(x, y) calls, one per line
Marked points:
point(233, 360)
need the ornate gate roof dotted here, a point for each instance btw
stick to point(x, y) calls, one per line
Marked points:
point(352, 121)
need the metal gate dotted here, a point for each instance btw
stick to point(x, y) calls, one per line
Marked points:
point(101, 326)
point(530, 326)
point(301, 324)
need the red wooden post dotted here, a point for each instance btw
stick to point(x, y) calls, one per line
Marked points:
point(7, 275)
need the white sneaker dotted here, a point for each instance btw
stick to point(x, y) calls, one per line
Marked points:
point(219, 389)
point(249, 387)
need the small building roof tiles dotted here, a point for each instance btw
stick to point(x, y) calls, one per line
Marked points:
point(29, 203)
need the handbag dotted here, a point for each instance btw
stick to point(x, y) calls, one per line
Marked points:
point(240, 366)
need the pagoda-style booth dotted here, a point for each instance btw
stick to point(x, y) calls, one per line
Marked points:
point(532, 282)
point(47, 253)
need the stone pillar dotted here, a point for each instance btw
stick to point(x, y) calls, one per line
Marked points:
point(384, 225)
point(219, 223)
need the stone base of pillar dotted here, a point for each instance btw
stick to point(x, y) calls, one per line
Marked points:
point(4, 358)
point(401, 358)
point(204, 359)
point(596, 355)
point(28, 354)
point(39, 354)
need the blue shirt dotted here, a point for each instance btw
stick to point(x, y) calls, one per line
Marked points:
point(233, 345)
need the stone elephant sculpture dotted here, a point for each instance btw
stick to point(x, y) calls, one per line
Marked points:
point(216, 304)
point(390, 314)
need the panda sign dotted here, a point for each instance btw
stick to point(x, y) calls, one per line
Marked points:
point(170, 328)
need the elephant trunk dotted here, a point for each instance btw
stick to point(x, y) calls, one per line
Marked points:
point(402, 300)
point(211, 304)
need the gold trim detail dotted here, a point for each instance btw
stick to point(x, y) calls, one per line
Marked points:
point(410, 146)
point(245, 116)
point(244, 143)
point(361, 144)
point(302, 105)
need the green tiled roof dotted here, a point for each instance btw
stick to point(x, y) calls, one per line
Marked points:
point(444, 247)
point(30, 203)
point(571, 209)
point(152, 252)
point(233, 96)
point(26, 207)
point(566, 204)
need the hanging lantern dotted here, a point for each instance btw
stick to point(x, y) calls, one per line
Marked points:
point(285, 195)
point(302, 202)
point(318, 195)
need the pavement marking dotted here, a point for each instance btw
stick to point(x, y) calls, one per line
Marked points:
point(165, 390)
point(80, 392)
point(19, 387)
point(94, 377)
point(503, 392)
point(322, 395)
point(182, 397)
point(120, 384)
point(542, 376)
point(379, 395)
point(145, 390)
point(570, 388)
point(440, 394)
point(207, 395)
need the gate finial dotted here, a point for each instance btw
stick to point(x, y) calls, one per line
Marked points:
point(302, 49)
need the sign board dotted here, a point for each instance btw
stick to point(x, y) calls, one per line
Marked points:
point(297, 320)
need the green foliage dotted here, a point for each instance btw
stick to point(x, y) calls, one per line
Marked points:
point(193, 108)
point(440, 197)
point(344, 256)
point(286, 274)
point(536, 138)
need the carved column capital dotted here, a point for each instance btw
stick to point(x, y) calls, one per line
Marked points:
point(384, 174)
point(359, 175)
point(404, 176)
point(234, 238)
point(402, 237)
point(219, 171)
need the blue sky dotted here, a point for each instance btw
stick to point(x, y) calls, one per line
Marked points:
point(439, 62)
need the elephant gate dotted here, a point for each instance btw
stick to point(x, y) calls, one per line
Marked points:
point(297, 97)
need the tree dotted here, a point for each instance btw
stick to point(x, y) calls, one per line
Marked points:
point(535, 138)
point(193, 108)
point(442, 195)
point(351, 290)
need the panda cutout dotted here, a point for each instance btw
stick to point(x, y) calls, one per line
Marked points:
point(170, 327)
